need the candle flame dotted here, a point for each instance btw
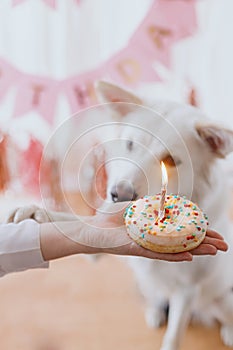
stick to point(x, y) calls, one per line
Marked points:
point(164, 175)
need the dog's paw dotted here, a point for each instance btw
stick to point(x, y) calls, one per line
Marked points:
point(202, 319)
point(28, 212)
point(155, 317)
point(227, 335)
point(168, 347)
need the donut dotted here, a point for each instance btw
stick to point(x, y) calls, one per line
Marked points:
point(182, 228)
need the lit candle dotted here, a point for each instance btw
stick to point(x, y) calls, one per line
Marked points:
point(163, 190)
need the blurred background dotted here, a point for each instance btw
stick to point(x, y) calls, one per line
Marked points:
point(51, 54)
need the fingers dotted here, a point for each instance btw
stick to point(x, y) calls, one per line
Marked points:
point(214, 234)
point(136, 250)
point(211, 244)
point(204, 249)
point(112, 212)
point(178, 257)
point(217, 243)
point(111, 208)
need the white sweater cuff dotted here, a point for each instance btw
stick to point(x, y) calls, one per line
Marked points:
point(20, 247)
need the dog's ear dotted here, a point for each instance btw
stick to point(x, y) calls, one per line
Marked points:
point(218, 139)
point(124, 100)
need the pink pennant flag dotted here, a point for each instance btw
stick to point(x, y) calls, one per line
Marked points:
point(8, 77)
point(17, 2)
point(80, 90)
point(167, 22)
point(155, 42)
point(4, 163)
point(131, 67)
point(50, 3)
point(39, 94)
point(180, 14)
point(164, 25)
point(154, 36)
point(30, 166)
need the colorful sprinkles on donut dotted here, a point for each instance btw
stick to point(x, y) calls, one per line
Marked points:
point(182, 227)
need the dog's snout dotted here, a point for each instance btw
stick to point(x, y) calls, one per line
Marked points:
point(114, 194)
point(122, 192)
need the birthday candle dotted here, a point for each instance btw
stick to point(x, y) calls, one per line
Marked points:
point(163, 190)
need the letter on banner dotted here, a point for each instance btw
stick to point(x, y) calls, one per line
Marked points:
point(130, 70)
point(91, 91)
point(84, 94)
point(81, 95)
point(37, 90)
point(157, 34)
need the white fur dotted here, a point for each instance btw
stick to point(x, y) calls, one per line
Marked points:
point(203, 287)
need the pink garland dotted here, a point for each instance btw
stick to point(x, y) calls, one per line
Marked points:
point(166, 22)
point(50, 3)
point(4, 170)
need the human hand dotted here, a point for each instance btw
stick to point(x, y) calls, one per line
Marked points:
point(107, 233)
point(104, 232)
point(210, 246)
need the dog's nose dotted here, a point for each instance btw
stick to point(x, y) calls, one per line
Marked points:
point(123, 192)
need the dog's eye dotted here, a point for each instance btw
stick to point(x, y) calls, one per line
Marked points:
point(130, 145)
point(170, 161)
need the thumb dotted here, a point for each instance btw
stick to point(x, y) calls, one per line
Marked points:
point(112, 212)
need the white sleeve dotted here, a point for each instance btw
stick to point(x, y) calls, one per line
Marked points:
point(20, 247)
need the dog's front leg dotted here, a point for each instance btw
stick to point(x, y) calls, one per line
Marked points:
point(224, 314)
point(180, 308)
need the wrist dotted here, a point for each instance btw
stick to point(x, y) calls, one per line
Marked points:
point(58, 240)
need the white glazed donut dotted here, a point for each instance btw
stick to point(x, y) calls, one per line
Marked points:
point(182, 228)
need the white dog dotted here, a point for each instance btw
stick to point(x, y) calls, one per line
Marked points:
point(191, 148)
